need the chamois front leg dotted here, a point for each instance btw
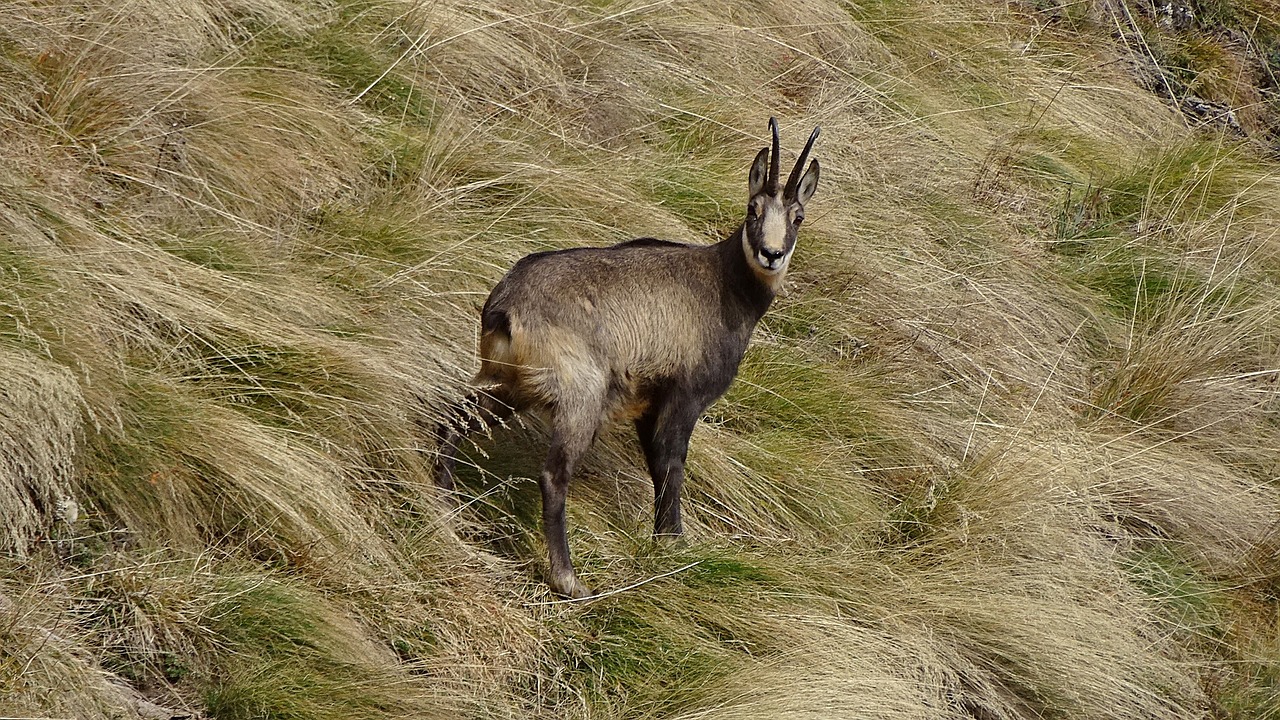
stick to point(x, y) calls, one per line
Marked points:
point(664, 435)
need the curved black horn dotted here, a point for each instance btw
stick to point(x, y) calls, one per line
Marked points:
point(772, 185)
point(796, 172)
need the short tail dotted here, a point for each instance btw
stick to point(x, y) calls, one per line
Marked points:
point(498, 363)
point(495, 320)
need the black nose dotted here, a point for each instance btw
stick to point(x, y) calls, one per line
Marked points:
point(772, 255)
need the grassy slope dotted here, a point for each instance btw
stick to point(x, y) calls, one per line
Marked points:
point(1006, 448)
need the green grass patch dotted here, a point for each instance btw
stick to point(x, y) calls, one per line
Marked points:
point(288, 658)
point(781, 388)
point(1219, 620)
point(691, 192)
point(961, 229)
point(801, 319)
point(634, 660)
point(137, 481)
point(725, 572)
point(339, 52)
point(1254, 690)
point(1194, 604)
point(373, 235)
point(1078, 226)
point(1189, 181)
point(685, 135)
point(915, 518)
point(1132, 281)
point(400, 156)
point(1148, 286)
point(158, 477)
point(1168, 188)
point(27, 289)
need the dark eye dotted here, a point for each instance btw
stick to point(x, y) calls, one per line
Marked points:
point(752, 209)
point(799, 218)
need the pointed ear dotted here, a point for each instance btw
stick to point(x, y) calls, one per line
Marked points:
point(808, 184)
point(759, 172)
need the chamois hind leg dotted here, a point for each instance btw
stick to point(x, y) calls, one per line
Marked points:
point(574, 429)
point(480, 410)
point(664, 436)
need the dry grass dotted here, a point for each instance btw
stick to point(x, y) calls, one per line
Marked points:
point(41, 413)
point(1006, 447)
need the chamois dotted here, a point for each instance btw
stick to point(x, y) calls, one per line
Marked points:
point(647, 330)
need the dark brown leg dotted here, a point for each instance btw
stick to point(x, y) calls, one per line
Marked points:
point(664, 436)
point(573, 432)
point(479, 411)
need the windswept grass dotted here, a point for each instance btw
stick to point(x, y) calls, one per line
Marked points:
point(1006, 446)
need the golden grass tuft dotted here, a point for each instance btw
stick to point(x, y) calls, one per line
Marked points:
point(40, 427)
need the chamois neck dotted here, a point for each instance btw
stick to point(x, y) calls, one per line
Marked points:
point(754, 292)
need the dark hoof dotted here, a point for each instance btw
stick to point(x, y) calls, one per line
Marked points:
point(570, 588)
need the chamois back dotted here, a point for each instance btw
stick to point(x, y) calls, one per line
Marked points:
point(625, 319)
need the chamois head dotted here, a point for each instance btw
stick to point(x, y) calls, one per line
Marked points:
point(773, 214)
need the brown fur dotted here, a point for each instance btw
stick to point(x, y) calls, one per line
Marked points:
point(566, 336)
